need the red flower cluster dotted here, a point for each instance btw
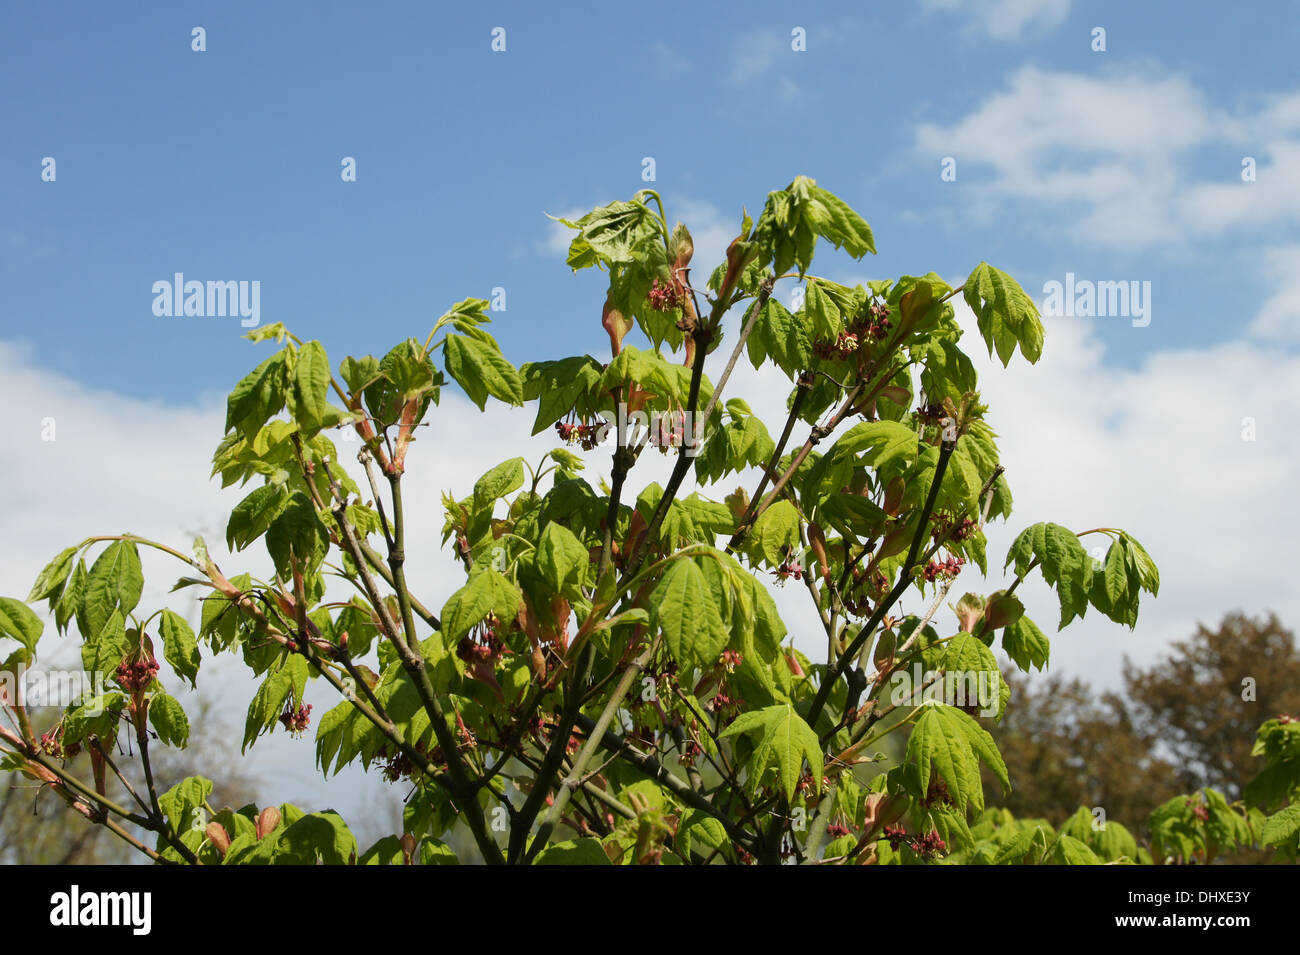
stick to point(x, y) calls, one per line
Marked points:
point(720, 701)
point(690, 754)
point(857, 601)
point(136, 676)
point(583, 433)
point(872, 324)
point(878, 321)
point(732, 659)
point(931, 412)
point(296, 720)
point(896, 835)
point(843, 346)
point(787, 570)
point(962, 531)
point(834, 830)
point(928, 845)
point(481, 644)
point(399, 766)
point(672, 430)
point(947, 569)
point(938, 793)
point(662, 298)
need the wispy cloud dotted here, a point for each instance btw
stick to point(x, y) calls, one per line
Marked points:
point(1116, 156)
point(1004, 19)
point(1278, 318)
point(763, 58)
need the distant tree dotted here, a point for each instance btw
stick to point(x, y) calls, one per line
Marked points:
point(37, 829)
point(1065, 749)
point(1182, 726)
point(1191, 703)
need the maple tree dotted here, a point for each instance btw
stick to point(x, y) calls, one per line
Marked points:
point(613, 681)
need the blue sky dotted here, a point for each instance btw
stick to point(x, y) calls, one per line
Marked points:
point(225, 164)
point(1123, 165)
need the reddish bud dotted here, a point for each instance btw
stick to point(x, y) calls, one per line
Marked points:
point(219, 838)
point(267, 821)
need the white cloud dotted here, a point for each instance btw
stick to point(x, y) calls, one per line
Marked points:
point(755, 53)
point(1005, 19)
point(1279, 317)
point(1158, 451)
point(558, 235)
point(1110, 157)
point(767, 53)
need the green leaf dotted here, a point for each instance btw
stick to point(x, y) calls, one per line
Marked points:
point(482, 370)
point(1148, 574)
point(575, 852)
point(251, 517)
point(95, 715)
point(1006, 315)
point(1065, 565)
point(614, 233)
point(779, 335)
point(297, 532)
point(882, 441)
point(935, 748)
point(1026, 644)
point(948, 743)
point(257, 397)
point(501, 480)
point(782, 739)
point(169, 719)
point(983, 745)
point(311, 381)
point(72, 599)
point(105, 650)
point(971, 670)
point(820, 314)
point(284, 685)
point(560, 387)
point(776, 533)
point(319, 836)
point(184, 799)
point(115, 580)
point(563, 561)
point(701, 831)
point(18, 622)
point(51, 580)
point(359, 372)
point(1070, 851)
point(1281, 826)
point(1115, 574)
point(180, 648)
point(437, 852)
point(683, 607)
point(387, 851)
point(406, 373)
point(1027, 846)
point(267, 332)
point(487, 592)
point(834, 220)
